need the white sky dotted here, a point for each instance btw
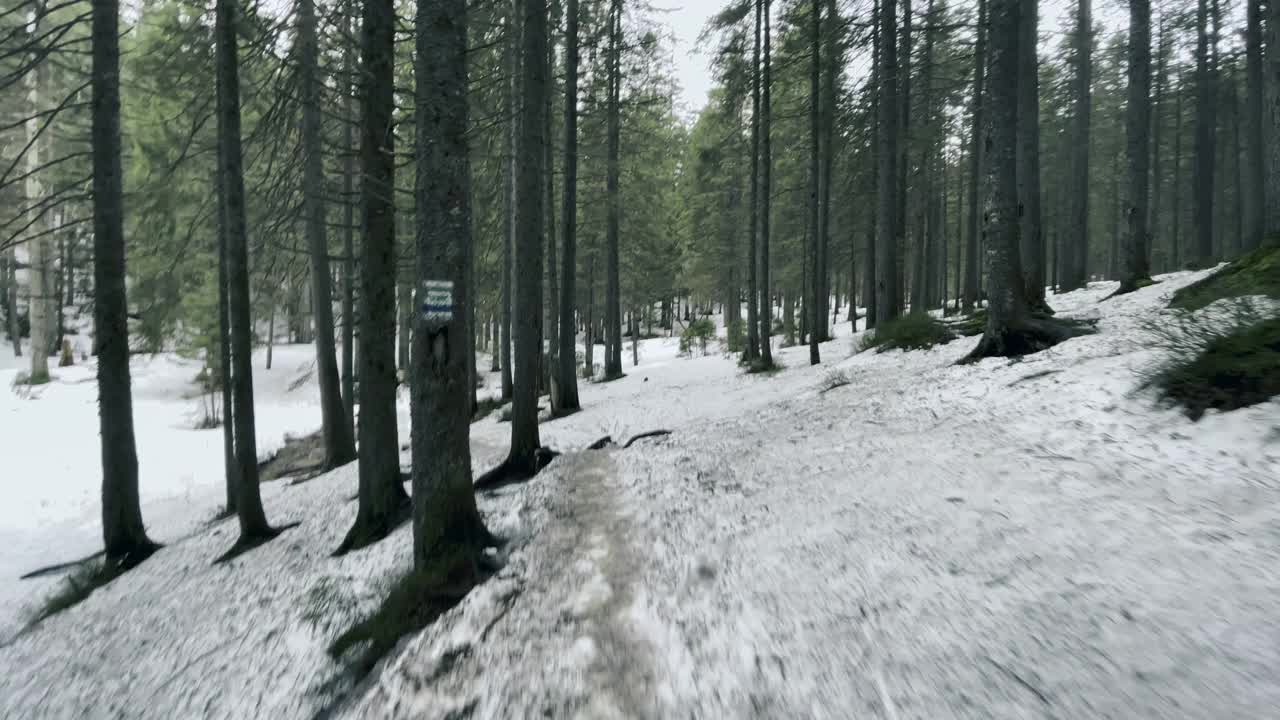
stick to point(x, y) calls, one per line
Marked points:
point(687, 20)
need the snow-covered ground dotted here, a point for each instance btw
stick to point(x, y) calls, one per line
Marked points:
point(51, 509)
point(1009, 539)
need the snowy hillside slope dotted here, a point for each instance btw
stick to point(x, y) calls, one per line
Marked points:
point(1010, 539)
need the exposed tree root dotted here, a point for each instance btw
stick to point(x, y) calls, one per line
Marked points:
point(60, 567)
point(1026, 338)
point(367, 531)
point(607, 440)
point(1129, 285)
point(512, 471)
point(643, 435)
point(247, 543)
point(1040, 306)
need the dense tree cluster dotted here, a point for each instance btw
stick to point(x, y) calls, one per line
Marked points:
point(404, 184)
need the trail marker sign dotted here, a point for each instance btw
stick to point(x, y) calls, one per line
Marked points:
point(437, 301)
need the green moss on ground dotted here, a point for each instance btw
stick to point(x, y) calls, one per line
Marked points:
point(916, 331)
point(75, 589)
point(1233, 370)
point(1257, 273)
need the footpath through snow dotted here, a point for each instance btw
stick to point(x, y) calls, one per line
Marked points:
point(1011, 539)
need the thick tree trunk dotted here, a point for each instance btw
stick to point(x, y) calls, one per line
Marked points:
point(124, 537)
point(1075, 265)
point(567, 384)
point(253, 520)
point(1136, 270)
point(766, 185)
point(1203, 156)
point(972, 267)
point(339, 447)
point(612, 294)
point(1032, 225)
point(530, 226)
point(444, 508)
point(382, 499)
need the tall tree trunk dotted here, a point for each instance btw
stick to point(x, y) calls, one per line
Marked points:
point(1271, 129)
point(339, 447)
point(1176, 238)
point(766, 184)
point(11, 298)
point(271, 329)
point(888, 295)
point(444, 508)
point(1075, 265)
point(960, 217)
point(231, 469)
point(509, 195)
point(530, 226)
point(1157, 133)
point(348, 237)
point(1032, 225)
point(1252, 182)
point(383, 503)
point(253, 520)
point(551, 316)
point(39, 287)
point(612, 294)
point(404, 316)
point(752, 350)
point(814, 316)
point(833, 61)
point(1137, 271)
point(567, 385)
point(904, 56)
point(1007, 310)
point(588, 326)
point(921, 280)
point(125, 539)
point(972, 267)
point(1237, 178)
point(1203, 156)
point(873, 152)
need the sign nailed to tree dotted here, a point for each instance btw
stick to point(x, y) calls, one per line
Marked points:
point(437, 300)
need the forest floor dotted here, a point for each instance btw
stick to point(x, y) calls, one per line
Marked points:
point(1005, 539)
